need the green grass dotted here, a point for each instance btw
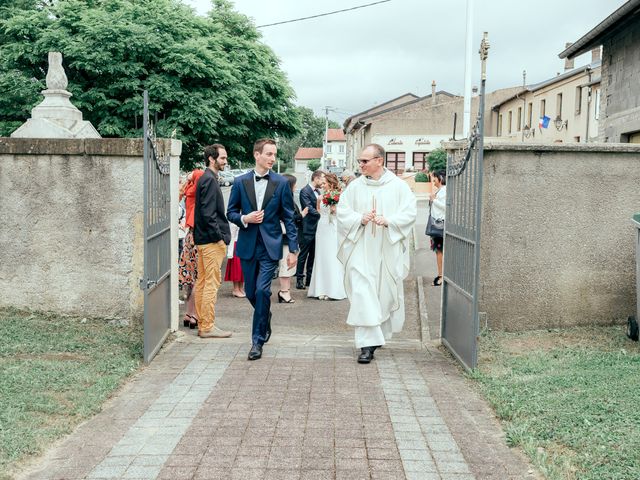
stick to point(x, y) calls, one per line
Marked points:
point(55, 371)
point(569, 398)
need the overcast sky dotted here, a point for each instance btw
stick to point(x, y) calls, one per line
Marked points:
point(354, 60)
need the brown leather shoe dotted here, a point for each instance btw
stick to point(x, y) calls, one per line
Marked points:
point(215, 332)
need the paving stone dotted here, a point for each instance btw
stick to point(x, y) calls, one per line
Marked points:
point(317, 475)
point(177, 473)
point(353, 475)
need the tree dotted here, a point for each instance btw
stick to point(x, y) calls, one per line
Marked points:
point(437, 160)
point(313, 165)
point(209, 78)
point(311, 135)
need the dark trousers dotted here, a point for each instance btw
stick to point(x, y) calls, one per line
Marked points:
point(258, 274)
point(307, 256)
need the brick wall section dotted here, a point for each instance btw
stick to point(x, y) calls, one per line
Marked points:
point(620, 103)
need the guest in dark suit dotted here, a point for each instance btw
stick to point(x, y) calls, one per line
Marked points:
point(259, 201)
point(309, 199)
point(285, 272)
point(211, 235)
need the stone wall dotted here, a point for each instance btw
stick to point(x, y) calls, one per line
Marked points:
point(558, 243)
point(620, 103)
point(72, 236)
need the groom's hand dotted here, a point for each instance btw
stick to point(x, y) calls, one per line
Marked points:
point(254, 217)
point(292, 259)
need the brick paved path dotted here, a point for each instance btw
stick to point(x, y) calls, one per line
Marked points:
point(202, 411)
point(306, 410)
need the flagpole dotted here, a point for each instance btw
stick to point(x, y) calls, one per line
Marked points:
point(466, 118)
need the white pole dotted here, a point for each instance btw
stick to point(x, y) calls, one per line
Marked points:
point(466, 119)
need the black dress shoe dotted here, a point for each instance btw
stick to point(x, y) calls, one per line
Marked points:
point(268, 335)
point(366, 354)
point(300, 285)
point(255, 353)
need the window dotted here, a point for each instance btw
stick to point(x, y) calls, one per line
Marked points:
point(419, 161)
point(341, 149)
point(500, 125)
point(395, 162)
point(509, 121)
point(519, 119)
point(559, 105)
point(578, 100)
point(530, 117)
point(543, 108)
point(596, 106)
point(328, 148)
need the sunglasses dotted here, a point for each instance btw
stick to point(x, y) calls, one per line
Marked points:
point(366, 160)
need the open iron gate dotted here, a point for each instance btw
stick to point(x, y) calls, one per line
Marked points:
point(156, 282)
point(460, 324)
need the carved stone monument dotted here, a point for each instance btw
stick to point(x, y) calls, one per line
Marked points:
point(55, 116)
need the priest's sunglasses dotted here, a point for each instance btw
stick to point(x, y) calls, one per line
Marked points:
point(367, 160)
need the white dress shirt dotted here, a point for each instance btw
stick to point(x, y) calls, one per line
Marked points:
point(260, 186)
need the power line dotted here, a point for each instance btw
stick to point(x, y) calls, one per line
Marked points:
point(323, 14)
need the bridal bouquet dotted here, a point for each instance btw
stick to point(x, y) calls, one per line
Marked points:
point(331, 198)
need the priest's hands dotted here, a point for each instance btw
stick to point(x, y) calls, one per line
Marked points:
point(292, 259)
point(380, 221)
point(368, 217)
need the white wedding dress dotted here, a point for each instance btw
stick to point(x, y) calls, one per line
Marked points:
point(327, 279)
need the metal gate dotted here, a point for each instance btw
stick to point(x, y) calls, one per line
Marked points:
point(156, 282)
point(460, 325)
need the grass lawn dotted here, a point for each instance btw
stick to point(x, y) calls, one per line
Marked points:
point(569, 398)
point(55, 371)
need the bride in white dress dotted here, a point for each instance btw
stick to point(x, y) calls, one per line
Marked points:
point(327, 279)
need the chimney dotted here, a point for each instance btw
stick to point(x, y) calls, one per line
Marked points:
point(433, 92)
point(596, 54)
point(568, 64)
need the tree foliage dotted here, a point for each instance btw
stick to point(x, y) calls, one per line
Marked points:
point(313, 165)
point(437, 160)
point(210, 79)
point(312, 130)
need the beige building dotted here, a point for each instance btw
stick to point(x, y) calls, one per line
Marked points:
point(335, 149)
point(410, 127)
point(563, 109)
point(619, 36)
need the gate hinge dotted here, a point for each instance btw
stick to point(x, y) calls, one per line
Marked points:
point(146, 284)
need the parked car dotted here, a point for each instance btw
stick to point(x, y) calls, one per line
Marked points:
point(225, 178)
point(238, 171)
point(335, 170)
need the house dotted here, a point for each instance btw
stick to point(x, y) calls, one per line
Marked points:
point(619, 35)
point(410, 127)
point(304, 155)
point(335, 149)
point(562, 109)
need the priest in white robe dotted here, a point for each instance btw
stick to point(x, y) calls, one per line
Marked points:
point(376, 214)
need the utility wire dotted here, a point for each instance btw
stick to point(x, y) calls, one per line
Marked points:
point(323, 14)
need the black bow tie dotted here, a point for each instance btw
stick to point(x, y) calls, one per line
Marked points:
point(266, 177)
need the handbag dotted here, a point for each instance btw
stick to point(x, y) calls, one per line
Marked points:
point(435, 227)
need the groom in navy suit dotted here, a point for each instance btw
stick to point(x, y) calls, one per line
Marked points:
point(259, 200)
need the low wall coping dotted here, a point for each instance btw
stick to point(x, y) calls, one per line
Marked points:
point(552, 147)
point(112, 147)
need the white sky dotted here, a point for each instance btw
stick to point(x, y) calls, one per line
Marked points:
point(355, 60)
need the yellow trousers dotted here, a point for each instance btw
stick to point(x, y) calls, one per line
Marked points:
point(210, 257)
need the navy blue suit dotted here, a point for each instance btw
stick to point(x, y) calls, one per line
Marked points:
point(308, 238)
point(259, 245)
